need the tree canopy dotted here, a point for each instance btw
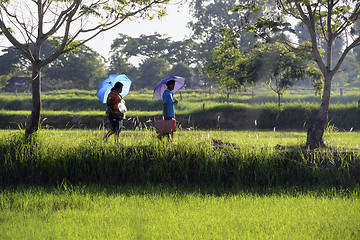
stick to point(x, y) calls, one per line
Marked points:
point(325, 21)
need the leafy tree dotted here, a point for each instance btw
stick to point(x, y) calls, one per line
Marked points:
point(12, 60)
point(280, 68)
point(119, 59)
point(351, 67)
point(325, 20)
point(152, 70)
point(276, 65)
point(228, 63)
point(209, 17)
point(118, 63)
point(147, 46)
point(352, 61)
point(11, 63)
point(28, 24)
point(82, 67)
point(182, 51)
point(183, 70)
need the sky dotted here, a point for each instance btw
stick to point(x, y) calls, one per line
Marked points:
point(173, 25)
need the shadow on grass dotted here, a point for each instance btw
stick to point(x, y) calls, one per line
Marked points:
point(216, 166)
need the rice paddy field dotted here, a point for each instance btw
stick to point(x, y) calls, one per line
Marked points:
point(216, 183)
point(155, 203)
point(161, 212)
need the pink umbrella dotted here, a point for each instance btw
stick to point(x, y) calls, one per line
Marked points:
point(161, 86)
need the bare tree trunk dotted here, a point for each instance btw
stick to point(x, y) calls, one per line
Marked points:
point(279, 107)
point(279, 101)
point(34, 122)
point(316, 130)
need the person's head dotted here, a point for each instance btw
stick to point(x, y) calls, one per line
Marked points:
point(117, 87)
point(170, 84)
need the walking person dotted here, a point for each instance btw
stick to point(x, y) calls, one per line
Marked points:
point(116, 111)
point(168, 104)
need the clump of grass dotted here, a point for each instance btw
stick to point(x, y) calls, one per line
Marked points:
point(191, 159)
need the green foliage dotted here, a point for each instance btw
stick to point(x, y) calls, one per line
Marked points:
point(152, 48)
point(71, 23)
point(227, 63)
point(12, 61)
point(183, 70)
point(277, 65)
point(81, 67)
point(148, 46)
point(84, 68)
point(208, 18)
point(152, 70)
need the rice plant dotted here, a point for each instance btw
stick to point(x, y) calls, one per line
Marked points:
point(192, 158)
point(162, 211)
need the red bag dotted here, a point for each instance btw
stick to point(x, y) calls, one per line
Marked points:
point(165, 126)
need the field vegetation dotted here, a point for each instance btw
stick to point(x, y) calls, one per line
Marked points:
point(197, 109)
point(163, 212)
point(212, 183)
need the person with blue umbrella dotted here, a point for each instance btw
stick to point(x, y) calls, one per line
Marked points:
point(116, 111)
point(109, 93)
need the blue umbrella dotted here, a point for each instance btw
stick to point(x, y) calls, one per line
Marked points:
point(106, 85)
point(160, 87)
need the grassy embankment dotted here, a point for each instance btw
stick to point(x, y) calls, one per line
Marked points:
point(197, 109)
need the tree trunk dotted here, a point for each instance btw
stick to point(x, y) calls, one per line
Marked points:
point(279, 101)
point(279, 107)
point(316, 130)
point(34, 122)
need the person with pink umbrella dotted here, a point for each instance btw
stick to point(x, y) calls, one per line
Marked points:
point(168, 106)
point(169, 101)
point(165, 90)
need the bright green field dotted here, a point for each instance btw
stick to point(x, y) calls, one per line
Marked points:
point(158, 212)
point(252, 139)
point(174, 212)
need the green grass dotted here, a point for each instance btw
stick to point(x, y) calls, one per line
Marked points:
point(197, 109)
point(160, 212)
point(69, 184)
point(243, 139)
point(81, 100)
point(177, 189)
point(194, 158)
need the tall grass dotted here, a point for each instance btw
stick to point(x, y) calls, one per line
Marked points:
point(193, 158)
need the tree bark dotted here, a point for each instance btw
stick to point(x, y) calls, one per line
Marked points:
point(316, 130)
point(34, 122)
